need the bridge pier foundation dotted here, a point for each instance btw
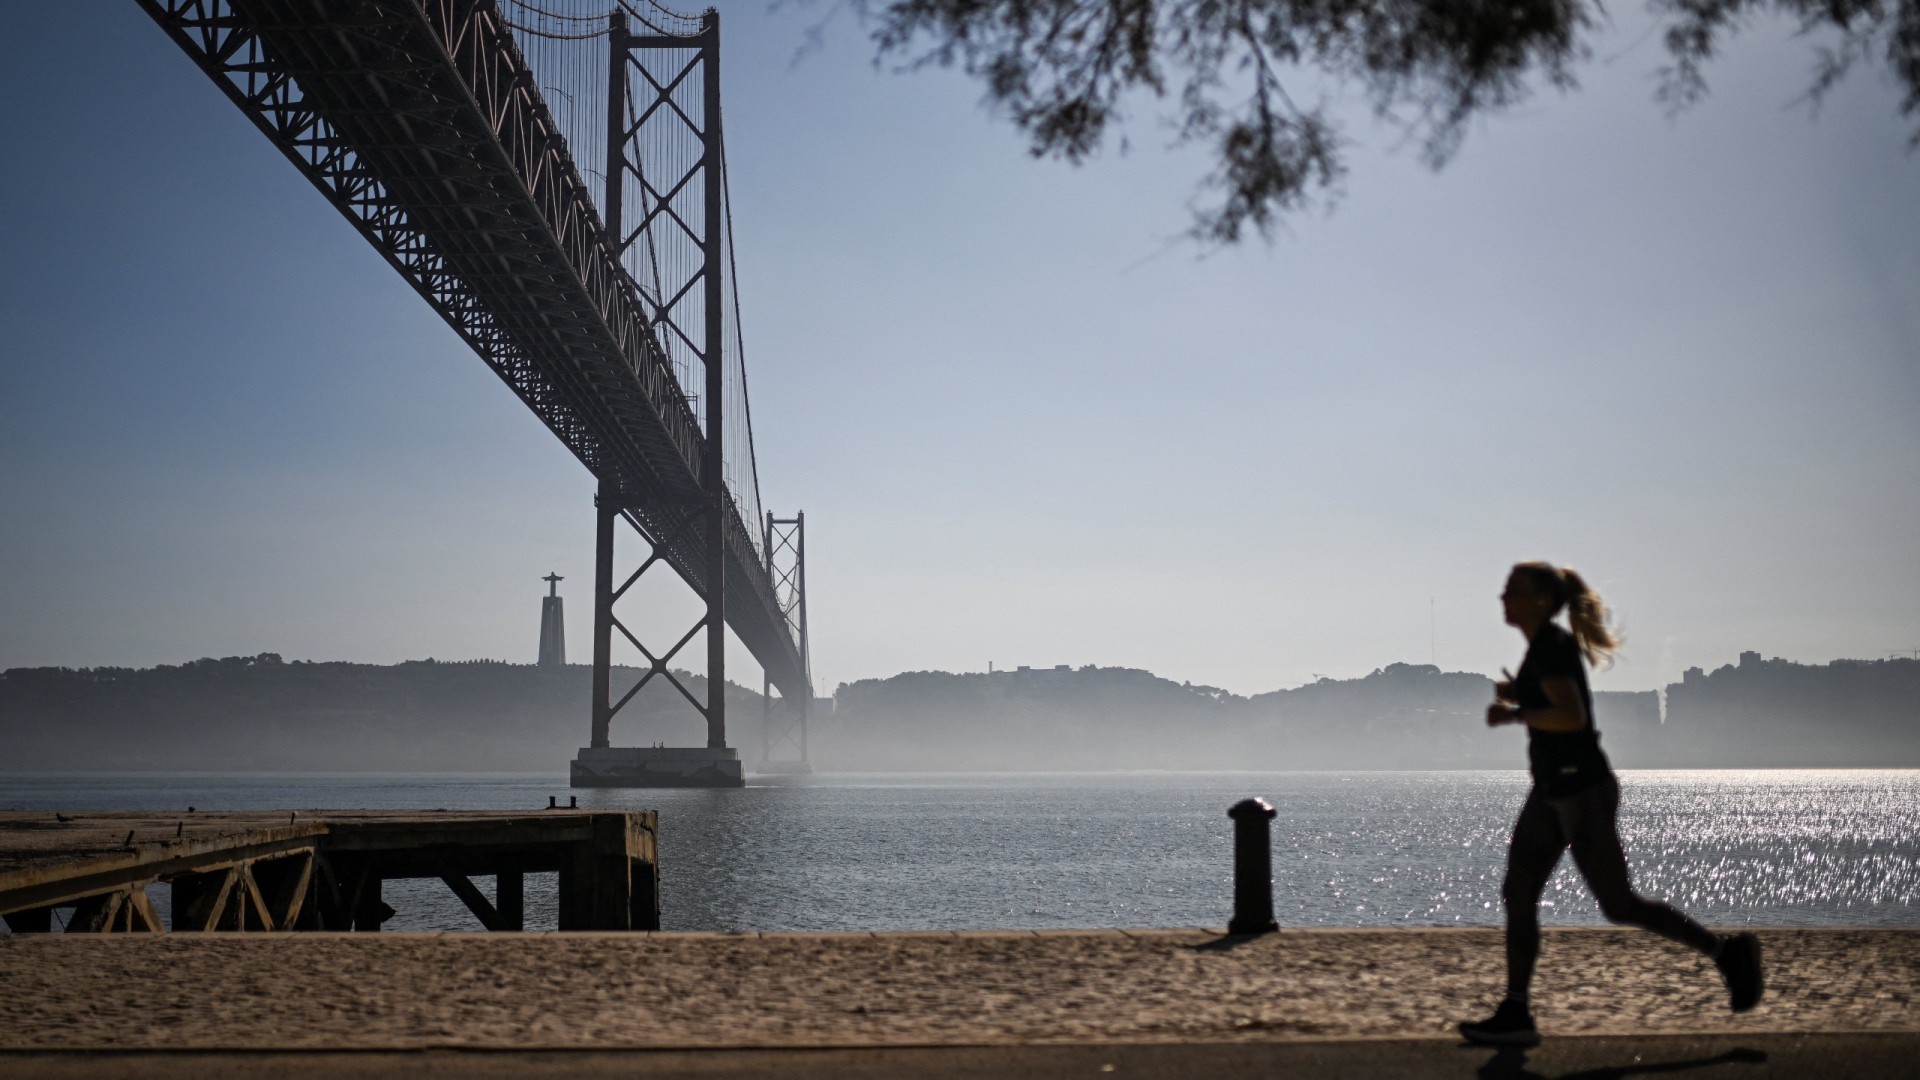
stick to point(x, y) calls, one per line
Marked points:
point(658, 766)
point(600, 763)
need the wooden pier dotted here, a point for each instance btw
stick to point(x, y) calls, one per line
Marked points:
point(319, 869)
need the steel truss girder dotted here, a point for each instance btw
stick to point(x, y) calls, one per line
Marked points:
point(420, 121)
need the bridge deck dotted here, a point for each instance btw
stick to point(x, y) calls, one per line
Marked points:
point(423, 125)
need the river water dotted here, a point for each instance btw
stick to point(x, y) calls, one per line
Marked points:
point(1039, 851)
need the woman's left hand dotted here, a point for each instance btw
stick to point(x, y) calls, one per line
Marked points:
point(1501, 713)
point(1503, 688)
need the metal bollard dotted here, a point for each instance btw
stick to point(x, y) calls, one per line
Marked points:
point(1252, 867)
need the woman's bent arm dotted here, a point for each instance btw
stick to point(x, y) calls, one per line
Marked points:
point(1568, 712)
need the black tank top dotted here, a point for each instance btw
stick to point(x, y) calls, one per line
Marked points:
point(1562, 762)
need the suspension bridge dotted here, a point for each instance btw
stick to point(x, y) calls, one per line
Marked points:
point(551, 178)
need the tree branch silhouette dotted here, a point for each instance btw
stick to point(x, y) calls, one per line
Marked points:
point(1064, 71)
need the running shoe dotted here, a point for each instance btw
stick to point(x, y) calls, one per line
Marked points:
point(1510, 1025)
point(1739, 964)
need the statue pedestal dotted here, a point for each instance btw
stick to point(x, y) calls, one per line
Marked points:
point(658, 766)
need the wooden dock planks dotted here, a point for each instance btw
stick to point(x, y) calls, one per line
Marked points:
point(319, 869)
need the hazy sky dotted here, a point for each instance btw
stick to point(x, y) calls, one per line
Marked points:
point(1025, 424)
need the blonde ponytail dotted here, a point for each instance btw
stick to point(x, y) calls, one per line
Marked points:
point(1587, 616)
point(1586, 613)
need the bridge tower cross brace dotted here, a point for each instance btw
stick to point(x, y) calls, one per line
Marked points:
point(622, 160)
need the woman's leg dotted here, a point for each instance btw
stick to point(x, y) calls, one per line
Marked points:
point(1589, 818)
point(1531, 856)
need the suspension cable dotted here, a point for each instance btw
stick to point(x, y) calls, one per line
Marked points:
point(660, 254)
point(739, 328)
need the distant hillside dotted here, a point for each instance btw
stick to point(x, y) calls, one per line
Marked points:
point(1772, 714)
point(1776, 712)
point(259, 713)
point(1403, 716)
point(1090, 718)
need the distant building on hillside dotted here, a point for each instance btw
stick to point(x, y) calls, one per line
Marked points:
point(553, 630)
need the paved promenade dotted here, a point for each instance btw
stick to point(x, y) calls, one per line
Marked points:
point(1028, 994)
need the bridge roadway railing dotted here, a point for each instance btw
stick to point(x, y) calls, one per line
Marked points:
point(424, 126)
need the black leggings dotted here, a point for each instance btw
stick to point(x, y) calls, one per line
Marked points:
point(1583, 821)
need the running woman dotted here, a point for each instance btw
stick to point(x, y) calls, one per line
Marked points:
point(1574, 799)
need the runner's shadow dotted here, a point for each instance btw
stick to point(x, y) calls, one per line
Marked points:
point(1511, 1064)
point(1226, 942)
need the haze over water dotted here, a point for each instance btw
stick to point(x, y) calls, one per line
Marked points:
point(1047, 851)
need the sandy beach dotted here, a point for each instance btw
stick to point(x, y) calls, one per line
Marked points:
point(695, 991)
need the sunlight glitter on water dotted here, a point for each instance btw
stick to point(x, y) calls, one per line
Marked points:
point(930, 851)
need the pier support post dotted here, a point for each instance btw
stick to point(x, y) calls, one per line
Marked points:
point(645, 914)
point(371, 911)
point(30, 921)
point(610, 882)
point(510, 899)
point(1252, 867)
point(200, 900)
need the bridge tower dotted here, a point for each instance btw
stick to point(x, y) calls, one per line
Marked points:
point(428, 127)
point(630, 109)
point(783, 734)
